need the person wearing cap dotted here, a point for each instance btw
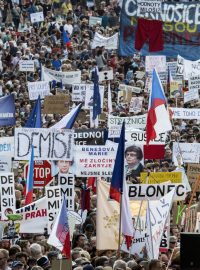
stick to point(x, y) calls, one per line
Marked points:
point(17, 265)
point(44, 263)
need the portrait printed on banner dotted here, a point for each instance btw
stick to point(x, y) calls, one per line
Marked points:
point(134, 160)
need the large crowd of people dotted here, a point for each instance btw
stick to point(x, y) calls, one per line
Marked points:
point(43, 42)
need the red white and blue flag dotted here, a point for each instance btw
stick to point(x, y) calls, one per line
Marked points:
point(60, 234)
point(29, 181)
point(116, 187)
point(158, 120)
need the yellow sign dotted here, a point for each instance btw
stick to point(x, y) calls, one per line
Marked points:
point(161, 177)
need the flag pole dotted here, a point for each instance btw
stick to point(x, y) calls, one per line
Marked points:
point(120, 225)
point(191, 199)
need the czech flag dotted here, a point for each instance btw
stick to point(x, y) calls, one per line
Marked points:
point(29, 182)
point(116, 187)
point(158, 120)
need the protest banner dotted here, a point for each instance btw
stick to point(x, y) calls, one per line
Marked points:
point(7, 111)
point(37, 17)
point(109, 43)
point(66, 184)
point(95, 20)
point(7, 193)
point(89, 136)
point(105, 75)
point(131, 122)
point(7, 146)
point(67, 78)
point(126, 88)
point(5, 164)
point(149, 6)
point(180, 29)
point(53, 194)
point(156, 218)
point(189, 151)
point(136, 104)
point(139, 137)
point(56, 104)
point(42, 173)
point(78, 92)
point(138, 244)
point(161, 177)
point(38, 88)
point(124, 96)
point(155, 61)
point(191, 95)
point(194, 83)
point(156, 191)
point(193, 172)
point(34, 217)
point(26, 65)
point(49, 144)
point(187, 68)
point(185, 113)
point(94, 160)
point(89, 96)
point(172, 67)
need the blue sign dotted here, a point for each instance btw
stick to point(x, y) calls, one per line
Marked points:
point(181, 29)
point(7, 111)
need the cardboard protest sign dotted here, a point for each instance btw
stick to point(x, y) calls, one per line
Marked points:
point(66, 184)
point(187, 68)
point(37, 17)
point(105, 75)
point(7, 192)
point(191, 95)
point(193, 172)
point(126, 88)
point(136, 104)
point(94, 160)
point(155, 61)
point(161, 177)
point(124, 96)
point(94, 20)
point(156, 218)
point(156, 191)
point(34, 217)
point(139, 137)
point(89, 136)
point(49, 144)
point(67, 78)
point(53, 205)
point(56, 104)
point(131, 122)
point(26, 65)
point(5, 164)
point(189, 151)
point(78, 92)
point(110, 43)
point(185, 113)
point(38, 88)
point(89, 96)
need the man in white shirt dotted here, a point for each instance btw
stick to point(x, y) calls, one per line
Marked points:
point(68, 27)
